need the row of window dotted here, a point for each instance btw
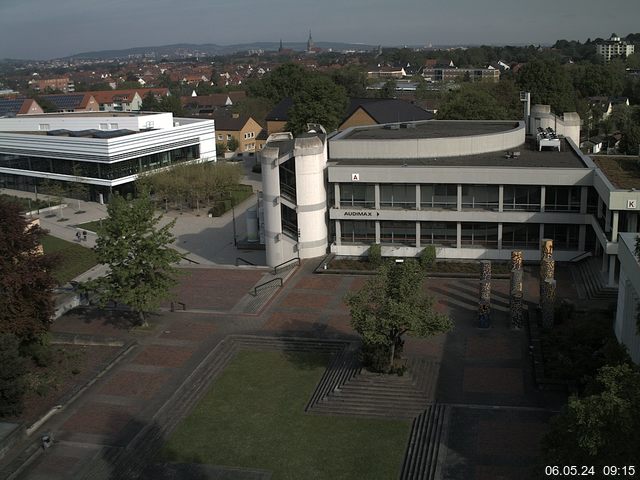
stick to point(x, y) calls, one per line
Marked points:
point(107, 171)
point(445, 234)
point(481, 197)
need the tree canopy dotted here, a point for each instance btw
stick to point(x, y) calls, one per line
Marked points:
point(319, 100)
point(600, 428)
point(25, 277)
point(549, 84)
point(392, 304)
point(141, 263)
point(482, 101)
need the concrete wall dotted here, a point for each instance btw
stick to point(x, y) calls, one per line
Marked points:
point(628, 297)
point(568, 125)
point(428, 147)
point(85, 121)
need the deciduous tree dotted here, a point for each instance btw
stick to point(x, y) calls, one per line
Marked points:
point(601, 427)
point(319, 100)
point(25, 277)
point(136, 250)
point(392, 304)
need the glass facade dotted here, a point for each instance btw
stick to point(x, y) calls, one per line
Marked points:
point(289, 221)
point(403, 233)
point(398, 195)
point(480, 197)
point(287, 172)
point(358, 232)
point(439, 233)
point(480, 235)
point(562, 199)
point(439, 196)
point(520, 235)
point(522, 198)
point(565, 237)
point(100, 170)
point(357, 195)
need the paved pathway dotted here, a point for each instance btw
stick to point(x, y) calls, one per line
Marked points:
point(484, 379)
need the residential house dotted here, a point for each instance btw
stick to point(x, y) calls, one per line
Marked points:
point(208, 104)
point(241, 127)
point(126, 100)
point(11, 107)
point(73, 102)
point(64, 84)
point(376, 111)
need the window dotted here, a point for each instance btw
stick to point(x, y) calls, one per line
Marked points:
point(104, 126)
point(480, 197)
point(439, 233)
point(562, 199)
point(565, 237)
point(289, 221)
point(229, 137)
point(520, 235)
point(357, 195)
point(113, 126)
point(398, 195)
point(398, 233)
point(439, 196)
point(358, 231)
point(522, 197)
point(288, 179)
point(220, 137)
point(480, 235)
point(44, 127)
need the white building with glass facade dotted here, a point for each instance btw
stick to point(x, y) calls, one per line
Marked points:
point(106, 151)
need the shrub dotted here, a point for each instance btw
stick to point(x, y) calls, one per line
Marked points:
point(39, 351)
point(12, 369)
point(427, 257)
point(375, 255)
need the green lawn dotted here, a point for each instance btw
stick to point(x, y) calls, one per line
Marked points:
point(74, 259)
point(90, 226)
point(253, 417)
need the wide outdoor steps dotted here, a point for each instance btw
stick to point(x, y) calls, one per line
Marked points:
point(421, 460)
point(591, 281)
point(351, 390)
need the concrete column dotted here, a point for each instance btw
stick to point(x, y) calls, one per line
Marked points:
point(614, 226)
point(418, 199)
point(459, 235)
point(377, 231)
point(417, 234)
point(499, 236)
point(501, 198)
point(376, 194)
point(584, 193)
point(338, 232)
point(543, 196)
point(612, 271)
point(336, 194)
point(607, 221)
point(459, 198)
point(582, 236)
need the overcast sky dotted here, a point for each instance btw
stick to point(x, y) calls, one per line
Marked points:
point(40, 29)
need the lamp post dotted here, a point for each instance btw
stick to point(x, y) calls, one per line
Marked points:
point(233, 216)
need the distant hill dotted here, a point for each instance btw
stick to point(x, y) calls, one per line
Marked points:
point(209, 49)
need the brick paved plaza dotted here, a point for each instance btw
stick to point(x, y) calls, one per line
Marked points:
point(478, 369)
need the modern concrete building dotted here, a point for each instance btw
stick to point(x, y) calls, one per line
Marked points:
point(294, 196)
point(474, 189)
point(626, 327)
point(106, 151)
point(614, 47)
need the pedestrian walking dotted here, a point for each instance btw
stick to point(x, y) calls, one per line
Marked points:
point(84, 235)
point(78, 236)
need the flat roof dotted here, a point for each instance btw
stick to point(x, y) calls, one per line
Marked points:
point(529, 157)
point(622, 172)
point(429, 129)
point(89, 114)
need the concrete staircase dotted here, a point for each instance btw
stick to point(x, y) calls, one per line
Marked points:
point(422, 458)
point(348, 389)
point(590, 281)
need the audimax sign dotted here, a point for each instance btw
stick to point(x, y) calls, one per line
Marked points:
point(360, 213)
